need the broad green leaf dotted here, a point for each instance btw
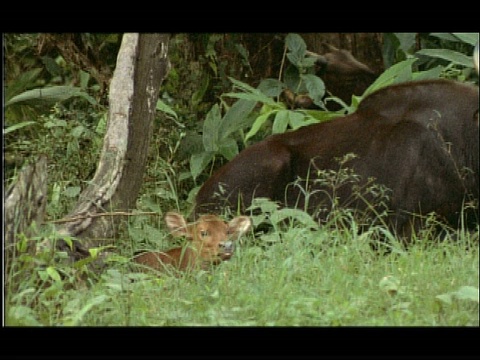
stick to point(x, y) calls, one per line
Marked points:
point(280, 123)
point(12, 128)
point(210, 129)
point(298, 119)
point(69, 241)
point(87, 97)
point(94, 252)
point(469, 38)
point(161, 106)
point(403, 75)
point(78, 131)
point(236, 118)
point(24, 81)
point(389, 75)
point(228, 148)
point(43, 275)
point(245, 96)
point(297, 47)
point(307, 62)
point(242, 86)
point(249, 93)
point(271, 87)
point(97, 250)
point(53, 273)
point(53, 67)
point(294, 214)
point(115, 258)
point(444, 36)
point(49, 95)
point(449, 55)
point(242, 51)
point(264, 204)
point(152, 232)
point(406, 40)
point(198, 162)
point(191, 143)
point(433, 73)
point(342, 104)
point(102, 125)
point(258, 123)
point(315, 87)
point(291, 78)
point(84, 79)
point(135, 234)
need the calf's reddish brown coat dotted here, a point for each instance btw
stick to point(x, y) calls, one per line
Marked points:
point(211, 242)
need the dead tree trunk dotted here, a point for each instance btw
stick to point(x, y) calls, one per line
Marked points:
point(142, 65)
point(25, 202)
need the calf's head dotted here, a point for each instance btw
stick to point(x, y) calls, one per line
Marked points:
point(211, 242)
point(211, 237)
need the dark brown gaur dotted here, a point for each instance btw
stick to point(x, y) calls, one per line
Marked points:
point(342, 74)
point(210, 242)
point(419, 139)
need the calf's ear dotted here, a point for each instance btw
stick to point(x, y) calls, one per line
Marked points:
point(176, 224)
point(239, 225)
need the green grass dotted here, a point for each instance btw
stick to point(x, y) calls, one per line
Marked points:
point(290, 277)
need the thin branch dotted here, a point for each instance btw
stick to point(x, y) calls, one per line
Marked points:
point(88, 216)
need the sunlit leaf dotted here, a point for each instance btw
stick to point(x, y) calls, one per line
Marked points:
point(53, 273)
point(469, 38)
point(258, 123)
point(161, 106)
point(49, 95)
point(389, 76)
point(280, 123)
point(449, 55)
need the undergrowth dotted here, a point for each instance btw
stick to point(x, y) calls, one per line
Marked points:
point(298, 274)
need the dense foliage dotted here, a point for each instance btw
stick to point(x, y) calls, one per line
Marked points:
point(212, 105)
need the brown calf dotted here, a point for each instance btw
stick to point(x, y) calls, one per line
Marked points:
point(211, 242)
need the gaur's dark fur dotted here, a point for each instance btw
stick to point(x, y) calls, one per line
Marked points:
point(419, 139)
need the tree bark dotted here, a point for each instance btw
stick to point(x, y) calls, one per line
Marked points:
point(142, 65)
point(25, 202)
